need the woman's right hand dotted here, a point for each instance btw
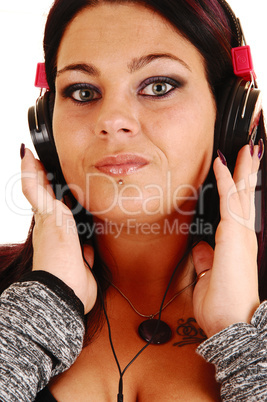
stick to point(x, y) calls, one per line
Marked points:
point(56, 245)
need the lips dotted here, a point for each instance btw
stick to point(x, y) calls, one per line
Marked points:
point(122, 164)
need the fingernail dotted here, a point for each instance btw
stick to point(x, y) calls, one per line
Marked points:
point(222, 157)
point(22, 151)
point(251, 147)
point(261, 149)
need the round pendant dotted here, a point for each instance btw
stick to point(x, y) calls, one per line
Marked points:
point(147, 328)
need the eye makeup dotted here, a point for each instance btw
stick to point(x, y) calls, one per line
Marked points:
point(161, 86)
point(81, 93)
point(156, 87)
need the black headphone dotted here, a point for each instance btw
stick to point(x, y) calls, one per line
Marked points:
point(238, 115)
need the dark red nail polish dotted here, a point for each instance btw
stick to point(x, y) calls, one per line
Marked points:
point(261, 149)
point(22, 151)
point(251, 147)
point(222, 157)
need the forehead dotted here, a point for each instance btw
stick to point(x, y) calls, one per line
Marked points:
point(117, 31)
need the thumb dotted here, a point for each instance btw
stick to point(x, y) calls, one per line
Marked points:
point(35, 185)
point(88, 253)
point(202, 257)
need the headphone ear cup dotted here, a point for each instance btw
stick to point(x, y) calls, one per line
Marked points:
point(40, 125)
point(238, 116)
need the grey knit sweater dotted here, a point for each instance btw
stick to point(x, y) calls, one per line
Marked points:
point(42, 330)
point(239, 354)
point(41, 334)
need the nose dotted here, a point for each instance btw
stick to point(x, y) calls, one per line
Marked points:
point(117, 117)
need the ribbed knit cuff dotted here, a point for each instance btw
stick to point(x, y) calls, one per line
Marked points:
point(58, 287)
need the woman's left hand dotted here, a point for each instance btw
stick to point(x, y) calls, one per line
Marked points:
point(228, 292)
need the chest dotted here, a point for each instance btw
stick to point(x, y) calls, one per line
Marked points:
point(169, 372)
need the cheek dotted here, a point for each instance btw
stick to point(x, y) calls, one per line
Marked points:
point(75, 147)
point(189, 135)
point(186, 132)
point(69, 153)
point(70, 140)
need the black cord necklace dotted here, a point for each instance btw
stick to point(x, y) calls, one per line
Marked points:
point(122, 372)
point(147, 328)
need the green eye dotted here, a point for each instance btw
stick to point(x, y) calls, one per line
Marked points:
point(81, 93)
point(159, 88)
point(84, 95)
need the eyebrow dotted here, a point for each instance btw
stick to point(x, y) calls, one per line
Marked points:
point(135, 65)
point(141, 62)
point(83, 67)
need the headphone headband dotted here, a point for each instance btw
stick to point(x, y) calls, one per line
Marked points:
point(236, 23)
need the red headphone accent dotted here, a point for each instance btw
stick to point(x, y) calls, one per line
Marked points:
point(242, 62)
point(40, 78)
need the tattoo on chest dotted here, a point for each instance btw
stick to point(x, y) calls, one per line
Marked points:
point(190, 332)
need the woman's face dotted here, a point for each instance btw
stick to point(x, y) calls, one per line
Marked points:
point(134, 115)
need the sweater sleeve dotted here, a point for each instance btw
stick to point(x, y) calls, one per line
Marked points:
point(41, 334)
point(239, 354)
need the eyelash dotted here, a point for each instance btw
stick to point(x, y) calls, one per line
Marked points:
point(160, 80)
point(68, 92)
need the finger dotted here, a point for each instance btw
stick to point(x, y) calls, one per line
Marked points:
point(258, 151)
point(247, 166)
point(245, 177)
point(246, 169)
point(43, 177)
point(243, 166)
point(257, 155)
point(29, 162)
point(35, 185)
point(229, 197)
point(202, 257)
point(88, 253)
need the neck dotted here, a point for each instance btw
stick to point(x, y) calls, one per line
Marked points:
point(142, 261)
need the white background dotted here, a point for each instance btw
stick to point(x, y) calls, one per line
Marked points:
point(21, 31)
